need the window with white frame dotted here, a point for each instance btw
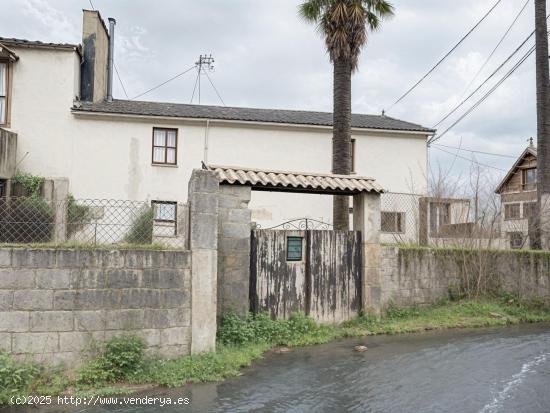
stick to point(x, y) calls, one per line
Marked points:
point(164, 218)
point(165, 146)
point(3, 92)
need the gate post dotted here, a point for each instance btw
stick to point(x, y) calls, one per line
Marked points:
point(203, 242)
point(234, 250)
point(366, 218)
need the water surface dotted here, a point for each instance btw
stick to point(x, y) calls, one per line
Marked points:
point(488, 371)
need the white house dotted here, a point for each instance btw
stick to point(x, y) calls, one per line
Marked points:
point(55, 98)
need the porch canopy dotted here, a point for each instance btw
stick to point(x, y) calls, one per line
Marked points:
point(302, 182)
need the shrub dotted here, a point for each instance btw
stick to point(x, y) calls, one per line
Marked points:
point(31, 184)
point(15, 376)
point(77, 215)
point(121, 358)
point(25, 220)
point(261, 328)
point(141, 230)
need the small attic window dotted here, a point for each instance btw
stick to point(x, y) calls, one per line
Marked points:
point(529, 179)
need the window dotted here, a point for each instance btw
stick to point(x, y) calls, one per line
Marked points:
point(294, 248)
point(511, 211)
point(3, 190)
point(529, 209)
point(440, 214)
point(352, 151)
point(165, 145)
point(393, 222)
point(3, 93)
point(165, 218)
point(529, 179)
point(516, 240)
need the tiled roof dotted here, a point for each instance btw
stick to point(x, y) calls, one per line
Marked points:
point(37, 44)
point(295, 117)
point(263, 179)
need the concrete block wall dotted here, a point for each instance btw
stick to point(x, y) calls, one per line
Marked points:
point(409, 278)
point(422, 276)
point(234, 226)
point(54, 303)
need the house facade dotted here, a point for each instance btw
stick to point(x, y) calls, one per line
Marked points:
point(518, 196)
point(55, 98)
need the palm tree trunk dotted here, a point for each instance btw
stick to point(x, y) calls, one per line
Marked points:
point(543, 120)
point(341, 138)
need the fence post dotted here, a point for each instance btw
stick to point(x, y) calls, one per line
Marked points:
point(60, 192)
point(366, 218)
point(203, 242)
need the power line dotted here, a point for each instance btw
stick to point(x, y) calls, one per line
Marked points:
point(484, 97)
point(474, 151)
point(446, 55)
point(486, 80)
point(92, 4)
point(120, 80)
point(496, 47)
point(214, 87)
point(165, 82)
point(195, 87)
point(456, 155)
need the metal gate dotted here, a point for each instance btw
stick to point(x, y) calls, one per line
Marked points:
point(317, 272)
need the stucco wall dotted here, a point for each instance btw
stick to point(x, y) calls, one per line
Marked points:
point(55, 303)
point(422, 276)
point(110, 157)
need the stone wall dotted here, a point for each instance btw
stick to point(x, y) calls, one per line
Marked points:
point(421, 276)
point(234, 249)
point(54, 303)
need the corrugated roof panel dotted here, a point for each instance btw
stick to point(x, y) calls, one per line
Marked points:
point(268, 179)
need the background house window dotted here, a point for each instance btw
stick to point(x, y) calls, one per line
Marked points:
point(165, 218)
point(529, 209)
point(165, 145)
point(3, 190)
point(294, 248)
point(3, 92)
point(393, 222)
point(529, 179)
point(516, 240)
point(512, 211)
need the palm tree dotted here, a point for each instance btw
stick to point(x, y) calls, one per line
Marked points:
point(344, 24)
point(543, 121)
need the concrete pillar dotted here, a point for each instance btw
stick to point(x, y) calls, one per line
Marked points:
point(366, 218)
point(203, 242)
point(234, 224)
point(59, 194)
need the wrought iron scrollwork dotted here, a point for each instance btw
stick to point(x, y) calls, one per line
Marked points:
point(301, 224)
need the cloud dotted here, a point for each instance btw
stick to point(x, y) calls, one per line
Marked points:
point(266, 56)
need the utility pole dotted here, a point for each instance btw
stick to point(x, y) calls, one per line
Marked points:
point(543, 125)
point(203, 62)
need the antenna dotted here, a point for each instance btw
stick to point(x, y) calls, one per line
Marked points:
point(204, 62)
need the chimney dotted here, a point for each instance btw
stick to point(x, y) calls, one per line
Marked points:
point(95, 57)
point(112, 23)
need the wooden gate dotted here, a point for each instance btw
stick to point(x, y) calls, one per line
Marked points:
point(317, 272)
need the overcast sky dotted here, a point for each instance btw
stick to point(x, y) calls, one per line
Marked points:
point(266, 56)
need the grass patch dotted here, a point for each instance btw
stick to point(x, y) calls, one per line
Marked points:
point(120, 365)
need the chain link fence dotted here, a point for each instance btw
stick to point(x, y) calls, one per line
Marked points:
point(31, 220)
point(439, 221)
